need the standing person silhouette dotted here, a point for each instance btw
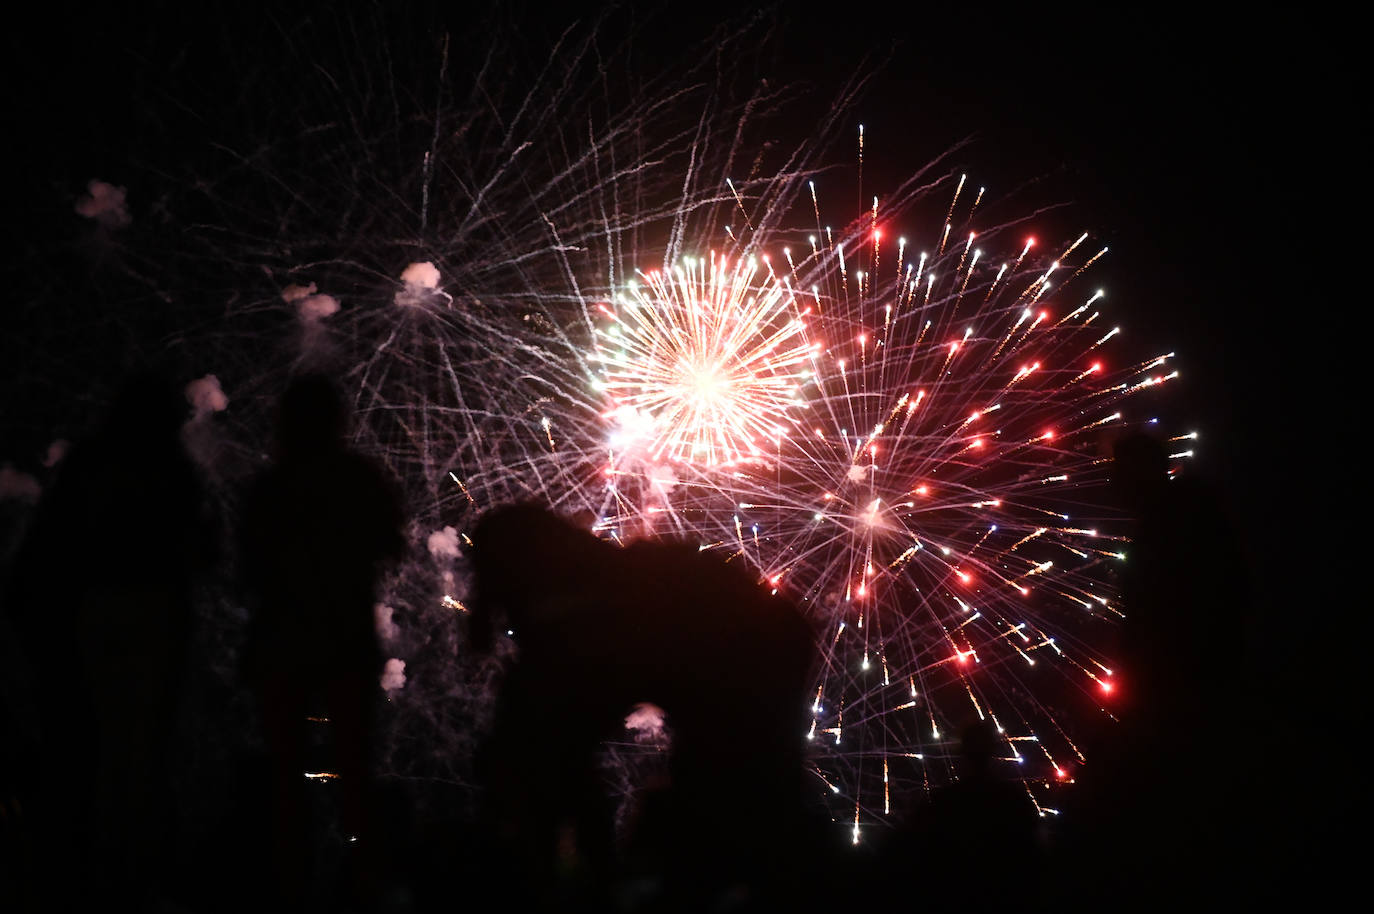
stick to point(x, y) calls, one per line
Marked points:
point(101, 602)
point(980, 833)
point(317, 526)
point(1159, 809)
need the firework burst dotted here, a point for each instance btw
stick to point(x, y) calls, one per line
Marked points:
point(923, 474)
point(900, 436)
point(712, 357)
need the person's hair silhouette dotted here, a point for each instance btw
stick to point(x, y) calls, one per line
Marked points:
point(311, 421)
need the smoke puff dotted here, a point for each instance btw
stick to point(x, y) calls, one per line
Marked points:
point(663, 478)
point(386, 629)
point(421, 284)
point(632, 426)
point(206, 396)
point(294, 293)
point(309, 305)
point(646, 722)
point(18, 485)
point(393, 675)
point(425, 275)
point(104, 203)
point(56, 451)
point(315, 307)
point(443, 544)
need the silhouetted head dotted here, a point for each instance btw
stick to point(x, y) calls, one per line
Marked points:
point(148, 406)
point(1140, 467)
point(520, 547)
point(978, 746)
point(523, 552)
point(310, 417)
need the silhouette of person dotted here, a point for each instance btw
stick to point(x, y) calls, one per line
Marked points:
point(1181, 586)
point(316, 528)
point(601, 629)
point(102, 599)
point(1158, 807)
point(978, 836)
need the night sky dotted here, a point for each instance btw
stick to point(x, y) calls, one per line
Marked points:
point(1200, 150)
point(1194, 147)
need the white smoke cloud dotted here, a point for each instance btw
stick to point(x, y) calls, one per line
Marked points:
point(645, 721)
point(56, 451)
point(633, 435)
point(317, 307)
point(631, 428)
point(294, 293)
point(393, 675)
point(663, 479)
point(18, 485)
point(425, 275)
point(206, 396)
point(387, 630)
point(310, 305)
point(420, 284)
point(443, 544)
point(104, 203)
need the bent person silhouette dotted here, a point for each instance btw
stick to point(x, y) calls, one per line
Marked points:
point(600, 629)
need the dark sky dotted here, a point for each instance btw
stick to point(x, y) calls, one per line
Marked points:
point(1192, 146)
point(1186, 144)
point(1206, 151)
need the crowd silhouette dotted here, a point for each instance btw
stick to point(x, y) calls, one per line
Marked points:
point(98, 604)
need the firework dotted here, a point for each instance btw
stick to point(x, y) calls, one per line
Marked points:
point(924, 475)
point(713, 359)
point(578, 298)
